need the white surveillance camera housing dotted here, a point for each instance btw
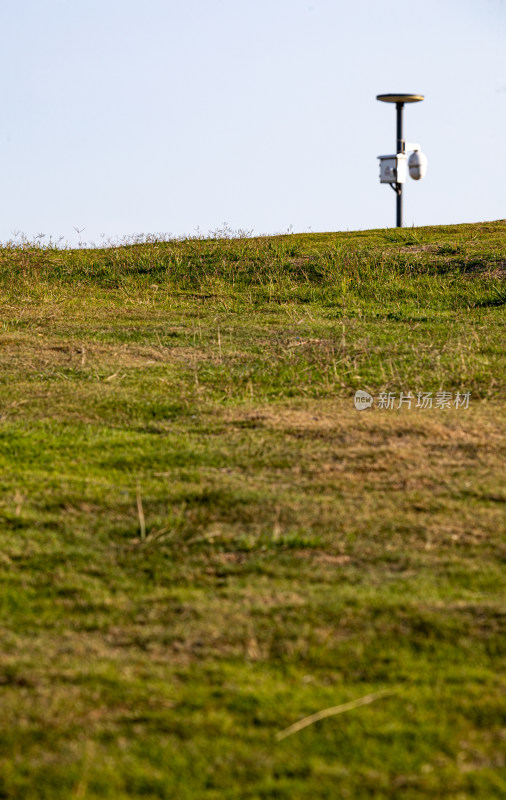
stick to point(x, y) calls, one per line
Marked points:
point(417, 164)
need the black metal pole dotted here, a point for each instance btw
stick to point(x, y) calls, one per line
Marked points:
point(401, 146)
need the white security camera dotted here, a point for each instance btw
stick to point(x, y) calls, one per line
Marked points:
point(417, 164)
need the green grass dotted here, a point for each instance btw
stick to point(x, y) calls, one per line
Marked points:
point(203, 541)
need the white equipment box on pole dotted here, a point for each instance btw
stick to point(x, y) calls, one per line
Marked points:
point(393, 168)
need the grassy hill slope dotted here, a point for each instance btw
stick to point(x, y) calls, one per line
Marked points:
point(203, 541)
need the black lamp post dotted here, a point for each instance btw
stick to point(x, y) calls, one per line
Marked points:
point(399, 100)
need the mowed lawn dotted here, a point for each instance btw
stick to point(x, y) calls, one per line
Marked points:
point(204, 542)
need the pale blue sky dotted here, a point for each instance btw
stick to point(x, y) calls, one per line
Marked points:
point(123, 117)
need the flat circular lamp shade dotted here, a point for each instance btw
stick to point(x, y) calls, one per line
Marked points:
point(400, 98)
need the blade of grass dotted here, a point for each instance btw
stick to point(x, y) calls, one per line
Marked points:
point(333, 711)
